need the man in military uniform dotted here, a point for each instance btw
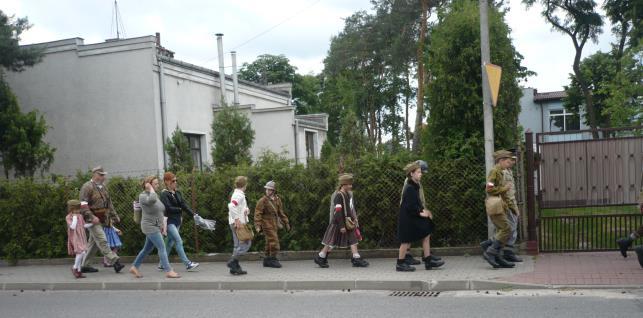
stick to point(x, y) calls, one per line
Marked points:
point(98, 209)
point(625, 243)
point(497, 186)
point(508, 252)
point(269, 218)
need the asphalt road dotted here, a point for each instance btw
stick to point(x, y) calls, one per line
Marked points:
point(523, 303)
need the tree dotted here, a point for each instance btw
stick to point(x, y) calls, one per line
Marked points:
point(22, 148)
point(455, 127)
point(268, 69)
point(580, 21)
point(614, 77)
point(305, 94)
point(232, 137)
point(178, 149)
point(12, 56)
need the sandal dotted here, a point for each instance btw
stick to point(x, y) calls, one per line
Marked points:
point(135, 272)
point(172, 274)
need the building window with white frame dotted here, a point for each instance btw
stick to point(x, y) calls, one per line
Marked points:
point(195, 149)
point(562, 120)
point(311, 145)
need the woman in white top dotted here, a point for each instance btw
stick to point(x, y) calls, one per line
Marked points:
point(238, 217)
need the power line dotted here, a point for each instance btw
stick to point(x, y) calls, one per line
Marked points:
point(276, 25)
point(270, 28)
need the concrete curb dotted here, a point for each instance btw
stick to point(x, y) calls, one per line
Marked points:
point(255, 256)
point(414, 285)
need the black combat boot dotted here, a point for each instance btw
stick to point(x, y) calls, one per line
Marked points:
point(403, 266)
point(271, 261)
point(118, 266)
point(509, 254)
point(503, 262)
point(321, 261)
point(430, 263)
point(236, 268)
point(359, 262)
point(410, 260)
point(485, 245)
point(624, 244)
point(491, 253)
point(639, 254)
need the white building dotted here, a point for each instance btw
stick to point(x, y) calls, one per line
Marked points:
point(544, 113)
point(114, 103)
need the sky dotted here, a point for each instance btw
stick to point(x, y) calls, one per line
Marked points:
point(299, 29)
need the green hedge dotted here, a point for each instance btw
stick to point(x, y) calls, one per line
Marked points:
point(32, 213)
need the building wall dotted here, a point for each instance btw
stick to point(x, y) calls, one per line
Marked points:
point(530, 116)
point(103, 102)
point(100, 106)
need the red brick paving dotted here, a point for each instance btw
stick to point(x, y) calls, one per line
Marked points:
point(596, 268)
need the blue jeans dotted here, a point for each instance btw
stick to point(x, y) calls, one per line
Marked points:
point(174, 240)
point(513, 223)
point(151, 241)
point(239, 248)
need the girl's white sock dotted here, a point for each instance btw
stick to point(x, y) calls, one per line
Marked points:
point(79, 260)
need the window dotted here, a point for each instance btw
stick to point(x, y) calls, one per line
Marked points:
point(311, 141)
point(562, 120)
point(195, 149)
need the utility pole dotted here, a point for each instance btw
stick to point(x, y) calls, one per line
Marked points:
point(487, 112)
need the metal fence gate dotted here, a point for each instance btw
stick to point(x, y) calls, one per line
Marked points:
point(587, 188)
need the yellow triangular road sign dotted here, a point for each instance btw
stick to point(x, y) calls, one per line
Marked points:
point(493, 76)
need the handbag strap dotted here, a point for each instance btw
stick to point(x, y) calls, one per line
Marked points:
point(345, 206)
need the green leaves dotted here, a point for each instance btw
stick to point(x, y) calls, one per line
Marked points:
point(455, 126)
point(12, 56)
point(232, 137)
point(22, 148)
point(178, 149)
point(268, 69)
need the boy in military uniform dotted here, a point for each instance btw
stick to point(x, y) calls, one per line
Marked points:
point(269, 218)
point(497, 186)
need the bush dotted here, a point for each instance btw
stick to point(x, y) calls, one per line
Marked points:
point(32, 213)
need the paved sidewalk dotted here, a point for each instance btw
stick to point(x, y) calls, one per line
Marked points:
point(593, 270)
point(600, 268)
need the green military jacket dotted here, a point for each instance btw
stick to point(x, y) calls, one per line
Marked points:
point(500, 188)
point(98, 200)
point(511, 193)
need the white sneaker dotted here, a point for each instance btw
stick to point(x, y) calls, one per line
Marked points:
point(192, 265)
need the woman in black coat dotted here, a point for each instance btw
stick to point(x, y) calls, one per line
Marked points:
point(414, 221)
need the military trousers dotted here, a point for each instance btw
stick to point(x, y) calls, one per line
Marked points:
point(97, 241)
point(272, 239)
point(503, 227)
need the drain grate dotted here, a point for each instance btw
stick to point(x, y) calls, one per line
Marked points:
point(415, 294)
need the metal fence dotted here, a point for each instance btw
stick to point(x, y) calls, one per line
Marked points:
point(587, 186)
point(454, 191)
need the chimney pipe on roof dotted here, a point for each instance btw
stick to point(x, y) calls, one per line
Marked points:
point(221, 67)
point(158, 39)
point(235, 80)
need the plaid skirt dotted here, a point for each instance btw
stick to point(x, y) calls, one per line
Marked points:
point(112, 237)
point(334, 238)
